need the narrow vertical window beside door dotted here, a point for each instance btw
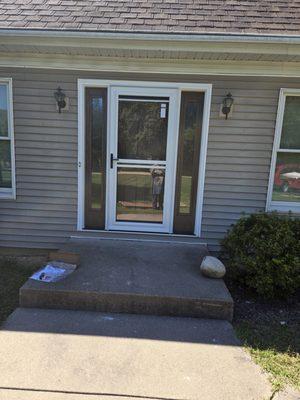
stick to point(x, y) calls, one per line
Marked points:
point(188, 161)
point(95, 154)
point(7, 186)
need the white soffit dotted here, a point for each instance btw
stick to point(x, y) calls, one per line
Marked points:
point(150, 53)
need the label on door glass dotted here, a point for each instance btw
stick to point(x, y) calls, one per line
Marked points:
point(163, 108)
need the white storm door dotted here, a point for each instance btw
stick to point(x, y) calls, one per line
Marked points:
point(142, 158)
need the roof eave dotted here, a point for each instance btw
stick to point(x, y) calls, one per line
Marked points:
point(156, 36)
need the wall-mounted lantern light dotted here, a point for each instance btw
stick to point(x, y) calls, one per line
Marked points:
point(60, 98)
point(227, 104)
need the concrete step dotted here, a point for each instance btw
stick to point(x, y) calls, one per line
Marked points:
point(62, 355)
point(136, 277)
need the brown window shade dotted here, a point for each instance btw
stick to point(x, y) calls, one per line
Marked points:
point(191, 114)
point(95, 157)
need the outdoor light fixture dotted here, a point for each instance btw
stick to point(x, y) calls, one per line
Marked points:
point(227, 104)
point(60, 98)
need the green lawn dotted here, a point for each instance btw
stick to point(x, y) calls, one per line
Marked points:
point(13, 277)
point(275, 348)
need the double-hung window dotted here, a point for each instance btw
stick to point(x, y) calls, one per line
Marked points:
point(7, 167)
point(284, 184)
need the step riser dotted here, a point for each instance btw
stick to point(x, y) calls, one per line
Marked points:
point(124, 303)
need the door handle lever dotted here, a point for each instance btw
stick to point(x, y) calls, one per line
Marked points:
point(112, 159)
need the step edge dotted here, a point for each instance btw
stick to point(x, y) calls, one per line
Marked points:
point(27, 290)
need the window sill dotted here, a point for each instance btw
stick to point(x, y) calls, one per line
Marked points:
point(7, 194)
point(284, 207)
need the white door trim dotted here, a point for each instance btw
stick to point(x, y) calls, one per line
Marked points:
point(200, 87)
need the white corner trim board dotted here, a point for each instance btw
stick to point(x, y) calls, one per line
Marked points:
point(271, 205)
point(175, 88)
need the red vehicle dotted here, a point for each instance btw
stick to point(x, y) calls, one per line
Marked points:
point(287, 176)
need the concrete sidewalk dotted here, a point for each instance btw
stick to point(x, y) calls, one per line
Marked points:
point(74, 355)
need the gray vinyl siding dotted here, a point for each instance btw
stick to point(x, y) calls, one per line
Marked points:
point(45, 211)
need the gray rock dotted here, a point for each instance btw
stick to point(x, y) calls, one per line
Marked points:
point(212, 267)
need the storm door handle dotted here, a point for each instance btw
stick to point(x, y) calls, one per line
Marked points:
point(112, 159)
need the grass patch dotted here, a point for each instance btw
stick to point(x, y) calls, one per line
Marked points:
point(269, 331)
point(13, 276)
point(275, 348)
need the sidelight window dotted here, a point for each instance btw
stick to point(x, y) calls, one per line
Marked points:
point(7, 167)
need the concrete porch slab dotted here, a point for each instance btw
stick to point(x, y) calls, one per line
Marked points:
point(58, 354)
point(134, 276)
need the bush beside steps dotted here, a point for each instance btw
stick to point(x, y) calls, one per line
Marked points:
point(262, 253)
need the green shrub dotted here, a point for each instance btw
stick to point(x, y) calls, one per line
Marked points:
point(262, 252)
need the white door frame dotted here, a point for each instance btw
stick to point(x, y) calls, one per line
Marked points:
point(200, 87)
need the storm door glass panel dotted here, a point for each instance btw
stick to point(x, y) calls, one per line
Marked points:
point(95, 157)
point(188, 161)
point(140, 194)
point(142, 128)
point(5, 164)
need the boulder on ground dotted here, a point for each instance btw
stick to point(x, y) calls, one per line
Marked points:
point(212, 267)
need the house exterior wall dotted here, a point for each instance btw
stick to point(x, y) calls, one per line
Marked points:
point(45, 211)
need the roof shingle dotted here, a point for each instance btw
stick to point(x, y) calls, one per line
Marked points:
point(173, 16)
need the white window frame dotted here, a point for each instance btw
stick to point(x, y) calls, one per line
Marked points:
point(281, 206)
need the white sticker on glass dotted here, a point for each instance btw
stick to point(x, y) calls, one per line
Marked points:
point(163, 108)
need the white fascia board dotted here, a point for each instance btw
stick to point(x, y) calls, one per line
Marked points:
point(160, 42)
point(215, 37)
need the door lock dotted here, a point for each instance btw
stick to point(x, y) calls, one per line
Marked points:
point(112, 159)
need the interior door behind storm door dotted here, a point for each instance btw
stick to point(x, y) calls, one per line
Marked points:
point(141, 165)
